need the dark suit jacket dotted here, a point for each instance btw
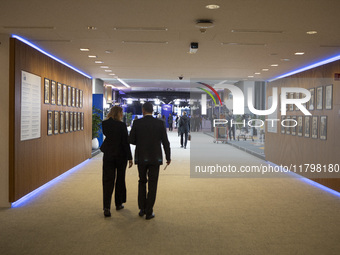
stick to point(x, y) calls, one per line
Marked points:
point(148, 134)
point(116, 140)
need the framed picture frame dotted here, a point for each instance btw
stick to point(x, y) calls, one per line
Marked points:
point(49, 122)
point(69, 96)
point(67, 121)
point(53, 92)
point(71, 121)
point(323, 127)
point(77, 98)
point(329, 97)
point(307, 126)
point(73, 97)
point(61, 122)
point(311, 103)
point(79, 121)
point(46, 91)
point(283, 130)
point(59, 94)
point(64, 95)
point(75, 115)
point(299, 125)
point(80, 98)
point(82, 121)
point(319, 98)
point(56, 122)
point(315, 127)
point(293, 129)
point(291, 106)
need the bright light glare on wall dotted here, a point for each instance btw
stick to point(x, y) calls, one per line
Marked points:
point(157, 102)
point(129, 101)
point(49, 55)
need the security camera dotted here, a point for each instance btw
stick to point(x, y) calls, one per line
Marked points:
point(193, 47)
point(180, 77)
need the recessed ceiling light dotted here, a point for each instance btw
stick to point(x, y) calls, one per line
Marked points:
point(256, 31)
point(250, 76)
point(285, 59)
point(99, 62)
point(92, 56)
point(299, 53)
point(311, 32)
point(112, 74)
point(91, 28)
point(145, 42)
point(84, 49)
point(265, 70)
point(109, 71)
point(146, 29)
point(274, 65)
point(108, 51)
point(257, 73)
point(104, 67)
point(212, 6)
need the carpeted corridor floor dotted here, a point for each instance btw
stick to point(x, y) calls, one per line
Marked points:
point(193, 215)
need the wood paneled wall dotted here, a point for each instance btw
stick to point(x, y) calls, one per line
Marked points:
point(288, 149)
point(35, 162)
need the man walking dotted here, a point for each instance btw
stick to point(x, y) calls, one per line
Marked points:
point(184, 129)
point(147, 134)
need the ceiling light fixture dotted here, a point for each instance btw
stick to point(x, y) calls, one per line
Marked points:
point(104, 67)
point(256, 31)
point(299, 53)
point(91, 28)
point(124, 83)
point(285, 59)
point(265, 69)
point(112, 74)
point(243, 44)
point(257, 73)
point(145, 42)
point(108, 71)
point(311, 32)
point(99, 62)
point(212, 6)
point(274, 65)
point(250, 76)
point(92, 56)
point(84, 49)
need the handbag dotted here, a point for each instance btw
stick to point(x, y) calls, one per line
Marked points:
point(189, 137)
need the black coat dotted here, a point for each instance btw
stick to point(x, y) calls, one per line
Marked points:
point(148, 134)
point(116, 140)
point(184, 124)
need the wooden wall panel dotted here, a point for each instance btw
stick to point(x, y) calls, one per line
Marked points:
point(288, 149)
point(35, 162)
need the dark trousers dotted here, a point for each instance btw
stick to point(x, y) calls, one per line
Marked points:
point(146, 200)
point(185, 138)
point(114, 173)
point(170, 126)
point(232, 130)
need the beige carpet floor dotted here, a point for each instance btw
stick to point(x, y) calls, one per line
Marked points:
point(193, 215)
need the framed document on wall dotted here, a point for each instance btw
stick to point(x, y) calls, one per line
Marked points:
point(77, 98)
point(329, 97)
point(75, 121)
point(315, 127)
point(307, 126)
point(82, 121)
point(49, 122)
point(80, 98)
point(60, 96)
point(56, 122)
point(319, 98)
point(64, 95)
point(323, 127)
point(46, 91)
point(67, 121)
point(53, 92)
point(71, 121)
point(69, 96)
point(61, 121)
point(73, 97)
point(311, 103)
point(299, 125)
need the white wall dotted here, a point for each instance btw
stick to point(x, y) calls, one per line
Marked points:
point(4, 119)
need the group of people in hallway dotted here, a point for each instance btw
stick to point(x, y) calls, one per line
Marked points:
point(147, 133)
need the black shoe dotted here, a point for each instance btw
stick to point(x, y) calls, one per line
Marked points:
point(185, 147)
point(107, 212)
point(181, 146)
point(149, 217)
point(119, 207)
point(141, 213)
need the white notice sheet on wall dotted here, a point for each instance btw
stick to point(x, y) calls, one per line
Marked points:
point(30, 106)
point(272, 118)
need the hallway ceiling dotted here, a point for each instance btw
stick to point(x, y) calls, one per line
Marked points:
point(248, 36)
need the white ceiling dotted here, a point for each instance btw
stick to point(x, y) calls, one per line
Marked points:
point(60, 27)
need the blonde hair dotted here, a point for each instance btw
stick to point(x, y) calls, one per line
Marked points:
point(115, 113)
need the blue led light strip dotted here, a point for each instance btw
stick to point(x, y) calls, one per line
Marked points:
point(320, 63)
point(306, 180)
point(49, 55)
point(30, 195)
